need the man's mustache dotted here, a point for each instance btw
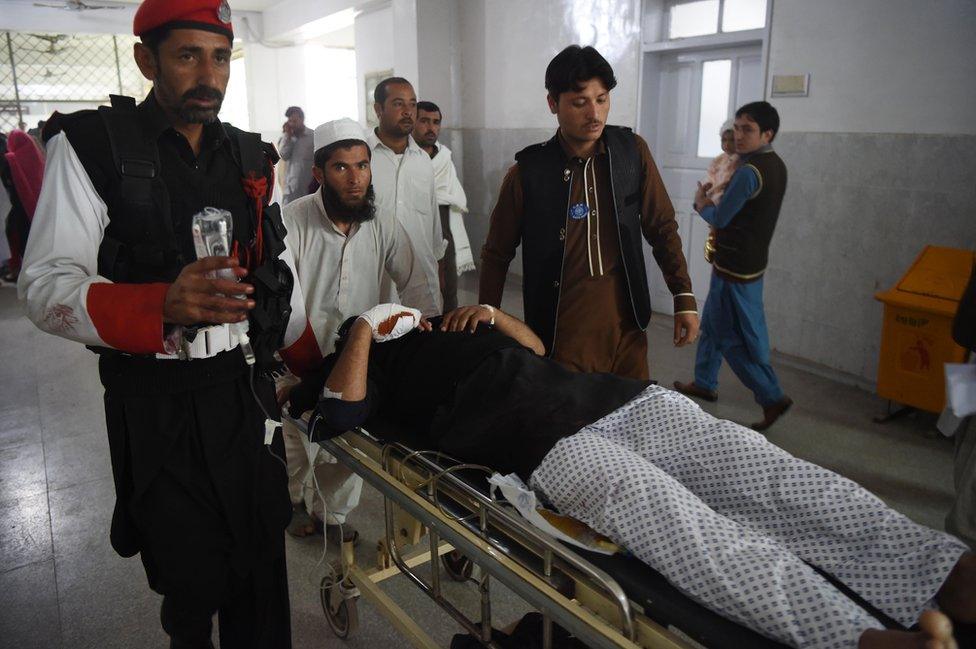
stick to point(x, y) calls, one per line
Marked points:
point(204, 93)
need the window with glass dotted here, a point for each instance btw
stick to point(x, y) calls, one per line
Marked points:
point(714, 107)
point(705, 17)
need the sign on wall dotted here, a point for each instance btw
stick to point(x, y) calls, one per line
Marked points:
point(791, 85)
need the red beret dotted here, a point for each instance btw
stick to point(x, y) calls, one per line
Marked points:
point(211, 15)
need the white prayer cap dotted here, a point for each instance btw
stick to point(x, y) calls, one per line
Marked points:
point(727, 125)
point(336, 131)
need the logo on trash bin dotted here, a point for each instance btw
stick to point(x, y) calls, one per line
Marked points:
point(911, 321)
point(918, 356)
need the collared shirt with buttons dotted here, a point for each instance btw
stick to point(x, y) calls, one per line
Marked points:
point(404, 186)
point(340, 274)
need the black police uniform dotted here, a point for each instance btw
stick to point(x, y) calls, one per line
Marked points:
point(198, 494)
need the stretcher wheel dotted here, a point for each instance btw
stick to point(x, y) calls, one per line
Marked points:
point(457, 565)
point(341, 611)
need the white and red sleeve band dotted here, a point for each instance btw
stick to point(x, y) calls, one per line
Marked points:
point(301, 351)
point(59, 281)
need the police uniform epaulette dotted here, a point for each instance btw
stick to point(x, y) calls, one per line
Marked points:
point(269, 149)
point(271, 152)
point(59, 122)
point(86, 132)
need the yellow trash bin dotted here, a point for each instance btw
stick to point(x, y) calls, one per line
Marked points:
point(916, 338)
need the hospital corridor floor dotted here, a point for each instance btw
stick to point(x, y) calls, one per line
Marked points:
point(61, 584)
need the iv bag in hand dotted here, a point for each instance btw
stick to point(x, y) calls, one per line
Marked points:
point(213, 232)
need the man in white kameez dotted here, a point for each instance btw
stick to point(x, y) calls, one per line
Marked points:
point(403, 178)
point(342, 250)
point(451, 200)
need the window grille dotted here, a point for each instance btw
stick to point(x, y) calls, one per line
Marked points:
point(42, 72)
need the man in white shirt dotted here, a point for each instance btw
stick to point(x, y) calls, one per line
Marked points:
point(341, 253)
point(451, 200)
point(403, 178)
point(295, 148)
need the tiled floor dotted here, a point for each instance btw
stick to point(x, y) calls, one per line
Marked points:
point(61, 585)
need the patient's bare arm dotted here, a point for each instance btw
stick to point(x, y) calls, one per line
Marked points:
point(348, 406)
point(348, 377)
point(466, 318)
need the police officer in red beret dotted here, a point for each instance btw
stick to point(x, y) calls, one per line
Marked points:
point(185, 340)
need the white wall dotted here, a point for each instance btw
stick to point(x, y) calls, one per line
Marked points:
point(405, 41)
point(518, 39)
point(236, 106)
point(877, 66)
point(276, 80)
point(472, 39)
point(319, 79)
point(374, 49)
point(439, 58)
point(330, 84)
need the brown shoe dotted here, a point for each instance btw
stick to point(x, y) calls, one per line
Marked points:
point(694, 390)
point(772, 413)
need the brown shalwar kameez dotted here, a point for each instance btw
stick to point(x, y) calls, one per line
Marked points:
point(595, 328)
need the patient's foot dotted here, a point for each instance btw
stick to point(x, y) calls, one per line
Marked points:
point(935, 632)
point(957, 597)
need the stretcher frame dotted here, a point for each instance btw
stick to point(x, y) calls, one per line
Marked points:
point(564, 587)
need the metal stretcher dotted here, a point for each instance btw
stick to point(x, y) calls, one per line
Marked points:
point(604, 601)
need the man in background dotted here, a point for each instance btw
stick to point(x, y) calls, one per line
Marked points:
point(403, 178)
point(296, 148)
point(734, 321)
point(451, 200)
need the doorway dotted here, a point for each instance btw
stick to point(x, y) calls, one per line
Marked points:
point(686, 97)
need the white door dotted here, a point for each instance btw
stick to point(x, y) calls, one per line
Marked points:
point(690, 95)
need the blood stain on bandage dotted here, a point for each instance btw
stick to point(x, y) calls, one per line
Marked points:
point(386, 327)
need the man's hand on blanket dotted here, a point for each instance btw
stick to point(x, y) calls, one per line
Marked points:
point(466, 318)
point(391, 321)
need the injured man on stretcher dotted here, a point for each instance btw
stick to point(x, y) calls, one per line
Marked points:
point(726, 516)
